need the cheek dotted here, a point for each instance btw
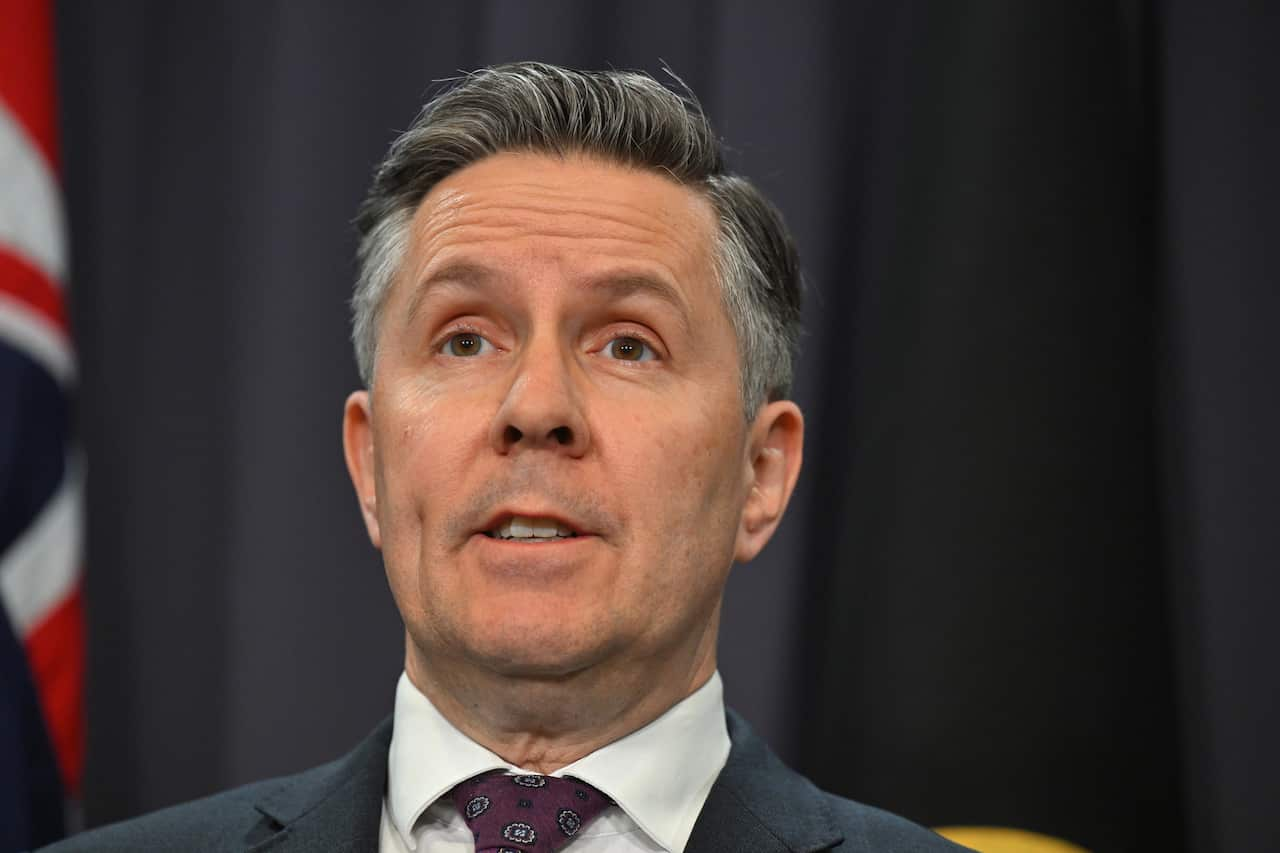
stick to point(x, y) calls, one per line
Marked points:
point(684, 477)
point(423, 471)
point(425, 448)
point(710, 456)
point(426, 432)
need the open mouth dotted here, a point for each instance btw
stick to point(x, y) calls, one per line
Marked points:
point(524, 528)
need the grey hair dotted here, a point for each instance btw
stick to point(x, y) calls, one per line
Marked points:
point(622, 116)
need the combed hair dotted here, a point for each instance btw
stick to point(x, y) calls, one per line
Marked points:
point(625, 117)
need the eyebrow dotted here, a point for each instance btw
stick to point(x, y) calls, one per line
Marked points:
point(463, 275)
point(620, 286)
point(467, 275)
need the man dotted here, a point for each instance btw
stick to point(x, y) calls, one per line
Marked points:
point(576, 331)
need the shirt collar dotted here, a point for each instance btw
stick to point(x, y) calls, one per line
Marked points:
point(427, 758)
point(659, 775)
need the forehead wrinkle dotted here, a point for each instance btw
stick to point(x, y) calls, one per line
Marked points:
point(634, 209)
point(555, 202)
point(635, 225)
point(458, 234)
point(491, 218)
point(616, 252)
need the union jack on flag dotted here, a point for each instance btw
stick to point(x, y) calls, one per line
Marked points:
point(41, 620)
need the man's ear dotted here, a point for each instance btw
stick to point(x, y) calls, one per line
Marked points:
point(775, 447)
point(357, 446)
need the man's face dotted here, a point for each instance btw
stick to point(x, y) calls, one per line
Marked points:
point(554, 359)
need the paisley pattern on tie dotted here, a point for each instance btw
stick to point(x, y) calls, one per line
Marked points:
point(527, 813)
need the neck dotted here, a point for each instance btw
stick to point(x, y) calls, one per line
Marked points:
point(543, 723)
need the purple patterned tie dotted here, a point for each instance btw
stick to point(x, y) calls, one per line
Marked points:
point(513, 814)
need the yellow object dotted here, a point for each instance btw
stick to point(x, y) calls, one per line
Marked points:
point(998, 839)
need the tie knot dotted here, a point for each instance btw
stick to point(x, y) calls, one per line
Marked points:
point(531, 813)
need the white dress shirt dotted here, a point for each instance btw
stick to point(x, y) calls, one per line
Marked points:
point(658, 775)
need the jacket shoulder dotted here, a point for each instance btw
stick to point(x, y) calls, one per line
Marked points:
point(224, 821)
point(869, 828)
point(320, 806)
point(770, 799)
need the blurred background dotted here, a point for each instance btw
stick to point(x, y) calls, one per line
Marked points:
point(1030, 576)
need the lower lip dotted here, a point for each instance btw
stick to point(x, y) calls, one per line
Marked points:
point(531, 560)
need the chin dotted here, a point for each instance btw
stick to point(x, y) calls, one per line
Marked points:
point(546, 649)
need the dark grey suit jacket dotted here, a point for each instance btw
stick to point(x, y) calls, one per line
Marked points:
point(757, 805)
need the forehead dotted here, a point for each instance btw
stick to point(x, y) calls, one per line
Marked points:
point(578, 214)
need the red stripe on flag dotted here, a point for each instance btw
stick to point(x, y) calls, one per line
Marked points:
point(30, 286)
point(55, 649)
point(26, 71)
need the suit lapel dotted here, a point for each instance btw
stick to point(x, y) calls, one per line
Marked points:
point(759, 804)
point(335, 807)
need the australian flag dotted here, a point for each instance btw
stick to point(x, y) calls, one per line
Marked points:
point(41, 620)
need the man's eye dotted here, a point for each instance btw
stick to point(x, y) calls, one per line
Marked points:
point(629, 349)
point(466, 344)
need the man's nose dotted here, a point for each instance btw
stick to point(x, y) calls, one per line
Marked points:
point(542, 408)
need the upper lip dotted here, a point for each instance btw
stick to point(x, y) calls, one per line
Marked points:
point(502, 516)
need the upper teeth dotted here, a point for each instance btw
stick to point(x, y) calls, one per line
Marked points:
point(526, 527)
